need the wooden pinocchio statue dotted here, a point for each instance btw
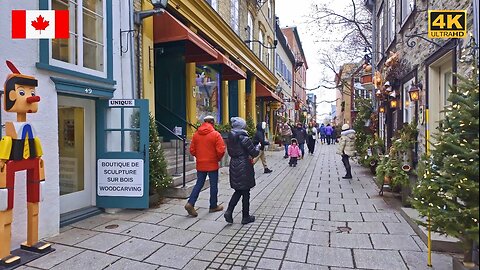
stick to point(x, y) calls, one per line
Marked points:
point(20, 150)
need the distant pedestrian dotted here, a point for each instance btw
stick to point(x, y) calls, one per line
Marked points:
point(286, 133)
point(328, 133)
point(294, 153)
point(301, 135)
point(259, 138)
point(321, 130)
point(311, 138)
point(242, 175)
point(208, 148)
point(334, 135)
point(346, 148)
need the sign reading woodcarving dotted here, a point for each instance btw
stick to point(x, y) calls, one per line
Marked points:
point(120, 177)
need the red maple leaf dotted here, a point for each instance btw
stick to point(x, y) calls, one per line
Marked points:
point(40, 24)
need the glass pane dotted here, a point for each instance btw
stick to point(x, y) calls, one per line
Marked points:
point(113, 118)
point(71, 148)
point(66, 49)
point(131, 118)
point(92, 55)
point(93, 25)
point(132, 141)
point(113, 141)
point(93, 43)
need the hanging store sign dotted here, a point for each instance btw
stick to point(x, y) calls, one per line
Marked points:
point(121, 103)
point(120, 177)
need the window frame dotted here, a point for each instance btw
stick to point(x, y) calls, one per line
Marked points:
point(235, 15)
point(46, 62)
point(80, 46)
point(250, 29)
point(404, 18)
point(407, 112)
point(260, 47)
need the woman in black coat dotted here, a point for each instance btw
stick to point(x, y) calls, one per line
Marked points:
point(242, 175)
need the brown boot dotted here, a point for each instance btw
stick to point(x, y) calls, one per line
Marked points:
point(191, 210)
point(216, 209)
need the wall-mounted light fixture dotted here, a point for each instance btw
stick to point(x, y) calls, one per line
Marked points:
point(393, 104)
point(158, 8)
point(381, 109)
point(414, 91)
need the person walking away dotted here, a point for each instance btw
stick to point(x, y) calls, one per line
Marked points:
point(346, 148)
point(328, 133)
point(311, 137)
point(294, 153)
point(322, 133)
point(259, 138)
point(286, 133)
point(242, 175)
point(301, 135)
point(334, 135)
point(208, 148)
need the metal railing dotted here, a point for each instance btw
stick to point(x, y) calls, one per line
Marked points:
point(178, 116)
point(182, 138)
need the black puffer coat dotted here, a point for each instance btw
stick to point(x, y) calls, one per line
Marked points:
point(241, 150)
point(259, 137)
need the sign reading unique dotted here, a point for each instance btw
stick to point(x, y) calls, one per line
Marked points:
point(120, 177)
point(121, 102)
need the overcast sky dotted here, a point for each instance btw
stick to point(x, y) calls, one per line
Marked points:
point(291, 13)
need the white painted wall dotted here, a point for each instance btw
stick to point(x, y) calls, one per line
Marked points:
point(24, 54)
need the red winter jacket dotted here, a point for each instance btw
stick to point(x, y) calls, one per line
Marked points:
point(208, 147)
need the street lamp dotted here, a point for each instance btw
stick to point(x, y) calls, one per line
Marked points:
point(414, 92)
point(393, 104)
point(158, 8)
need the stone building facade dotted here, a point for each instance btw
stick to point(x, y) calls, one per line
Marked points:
point(401, 28)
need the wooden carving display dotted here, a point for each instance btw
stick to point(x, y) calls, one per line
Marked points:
point(20, 149)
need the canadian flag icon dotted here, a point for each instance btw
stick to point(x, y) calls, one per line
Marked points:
point(40, 24)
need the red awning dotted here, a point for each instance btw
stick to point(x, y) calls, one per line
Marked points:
point(230, 71)
point(167, 28)
point(263, 92)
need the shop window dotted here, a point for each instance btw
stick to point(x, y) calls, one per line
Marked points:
point(207, 92)
point(235, 15)
point(86, 46)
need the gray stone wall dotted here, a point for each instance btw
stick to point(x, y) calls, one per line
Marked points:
point(417, 55)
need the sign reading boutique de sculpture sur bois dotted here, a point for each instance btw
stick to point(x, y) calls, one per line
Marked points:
point(120, 177)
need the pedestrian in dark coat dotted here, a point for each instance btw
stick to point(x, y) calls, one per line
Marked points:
point(242, 175)
point(301, 135)
point(259, 138)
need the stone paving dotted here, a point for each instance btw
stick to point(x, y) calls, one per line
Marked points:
point(307, 217)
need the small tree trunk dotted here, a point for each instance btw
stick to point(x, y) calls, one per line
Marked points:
point(467, 253)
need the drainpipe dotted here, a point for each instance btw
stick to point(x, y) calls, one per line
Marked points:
point(374, 46)
point(131, 41)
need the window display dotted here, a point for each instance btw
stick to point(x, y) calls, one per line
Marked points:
point(207, 92)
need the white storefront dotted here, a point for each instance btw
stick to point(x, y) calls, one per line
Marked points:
point(72, 75)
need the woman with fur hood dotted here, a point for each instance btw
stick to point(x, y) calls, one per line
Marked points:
point(346, 148)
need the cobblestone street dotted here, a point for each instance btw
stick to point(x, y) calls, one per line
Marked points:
point(307, 217)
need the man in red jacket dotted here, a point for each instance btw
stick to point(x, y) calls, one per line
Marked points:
point(208, 148)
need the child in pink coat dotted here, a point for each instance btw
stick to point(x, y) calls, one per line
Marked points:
point(294, 153)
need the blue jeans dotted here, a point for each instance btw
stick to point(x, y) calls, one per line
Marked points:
point(286, 149)
point(302, 148)
point(201, 177)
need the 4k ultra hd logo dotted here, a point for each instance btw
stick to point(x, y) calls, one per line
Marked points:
point(447, 23)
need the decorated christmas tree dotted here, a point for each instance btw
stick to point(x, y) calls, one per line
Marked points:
point(159, 178)
point(447, 191)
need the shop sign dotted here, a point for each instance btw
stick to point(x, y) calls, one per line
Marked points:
point(121, 103)
point(120, 177)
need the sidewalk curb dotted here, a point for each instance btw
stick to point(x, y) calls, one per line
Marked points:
point(440, 243)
